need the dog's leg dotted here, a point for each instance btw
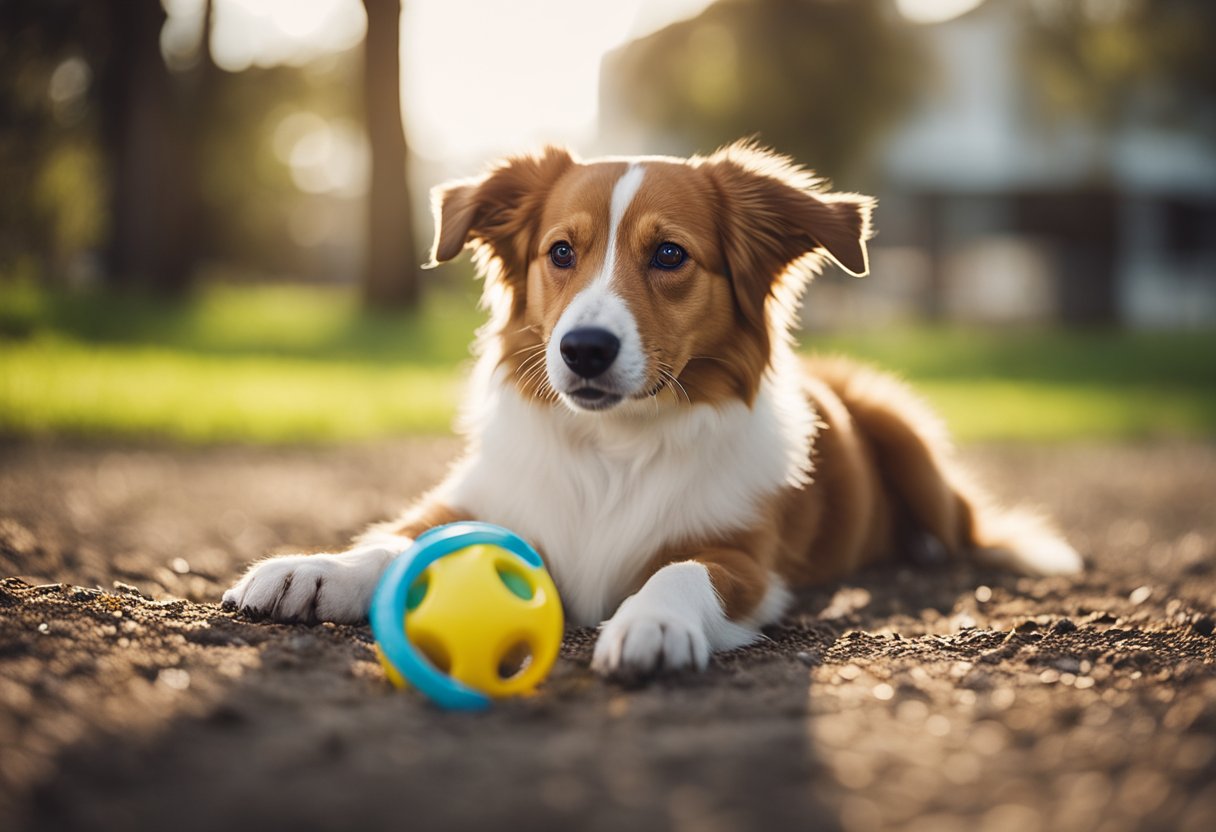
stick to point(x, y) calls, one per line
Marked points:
point(332, 587)
point(716, 600)
point(918, 465)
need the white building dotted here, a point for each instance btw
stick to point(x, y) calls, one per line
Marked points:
point(1020, 217)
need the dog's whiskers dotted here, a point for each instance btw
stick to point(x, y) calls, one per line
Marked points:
point(667, 375)
point(532, 380)
point(531, 373)
point(530, 350)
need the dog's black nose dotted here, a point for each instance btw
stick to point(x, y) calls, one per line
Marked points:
point(589, 351)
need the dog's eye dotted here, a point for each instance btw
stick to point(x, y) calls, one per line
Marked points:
point(562, 255)
point(669, 256)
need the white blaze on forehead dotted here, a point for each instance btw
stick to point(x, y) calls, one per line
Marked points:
point(623, 192)
point(599, 306)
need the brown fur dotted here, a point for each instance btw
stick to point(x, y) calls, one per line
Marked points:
point(427, 514)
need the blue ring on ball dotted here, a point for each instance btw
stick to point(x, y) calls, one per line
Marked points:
point(387, 615)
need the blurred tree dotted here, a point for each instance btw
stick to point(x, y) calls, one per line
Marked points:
point(391, 271)
point(149, 150)
point(1151, 60)
point(93, 116)
point(43, 87)
point(129, 151)
point(818, 79)
point(197, 91)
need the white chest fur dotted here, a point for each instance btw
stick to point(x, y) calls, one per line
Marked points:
point(602, 494)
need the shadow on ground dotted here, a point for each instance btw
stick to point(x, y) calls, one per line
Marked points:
point(933, 699)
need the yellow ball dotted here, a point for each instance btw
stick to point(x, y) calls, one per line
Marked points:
point(485, 618)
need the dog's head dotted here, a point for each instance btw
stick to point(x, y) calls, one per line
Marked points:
point(650, 279)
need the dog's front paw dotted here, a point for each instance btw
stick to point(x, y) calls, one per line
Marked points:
point(311, 588)
point(639, 642)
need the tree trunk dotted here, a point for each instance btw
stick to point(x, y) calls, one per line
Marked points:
point(390, 276)
point(194, 115)
point(149, 240)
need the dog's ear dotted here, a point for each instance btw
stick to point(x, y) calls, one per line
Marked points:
point(777, 221)
point(496, 211)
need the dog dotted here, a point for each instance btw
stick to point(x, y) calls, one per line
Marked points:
point(639, 414)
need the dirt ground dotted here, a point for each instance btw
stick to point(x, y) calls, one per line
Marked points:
point(925, 699)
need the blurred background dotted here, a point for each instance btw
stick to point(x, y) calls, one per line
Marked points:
point(212, 212)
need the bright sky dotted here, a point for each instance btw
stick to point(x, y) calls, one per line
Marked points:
point(483, 76)
point(934, 11)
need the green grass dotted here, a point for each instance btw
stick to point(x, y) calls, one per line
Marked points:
point(53, 386)
point(265, 364)
point(1053, 384)
point(295, 364)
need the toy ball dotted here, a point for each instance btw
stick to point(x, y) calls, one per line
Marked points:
point(467, 614)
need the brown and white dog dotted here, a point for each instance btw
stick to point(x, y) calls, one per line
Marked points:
point(638, 414)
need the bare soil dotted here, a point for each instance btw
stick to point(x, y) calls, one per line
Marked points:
point(934, 698)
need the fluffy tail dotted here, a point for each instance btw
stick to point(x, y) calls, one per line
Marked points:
point(1017, 539)
point(915, 459)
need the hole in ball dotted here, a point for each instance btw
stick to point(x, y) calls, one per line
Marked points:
point(433, 651)
point(417, 592)
point(514, 579)
point(515, 660)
